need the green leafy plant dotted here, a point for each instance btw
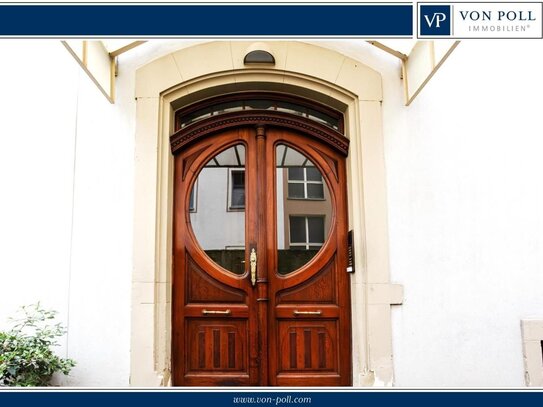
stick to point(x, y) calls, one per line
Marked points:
point(26, 355)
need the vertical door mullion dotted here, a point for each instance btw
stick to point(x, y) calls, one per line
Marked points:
point(251, 239)
point(261, 289)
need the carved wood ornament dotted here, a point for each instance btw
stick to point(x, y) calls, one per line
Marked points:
point(198, 130)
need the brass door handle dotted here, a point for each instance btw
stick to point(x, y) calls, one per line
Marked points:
point(207, 312)
point(296, 312)
point(252, 261)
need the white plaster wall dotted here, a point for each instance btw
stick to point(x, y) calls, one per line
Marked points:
point(37, 128)
point(69, 248)
point(465, 196)
point(99, 334)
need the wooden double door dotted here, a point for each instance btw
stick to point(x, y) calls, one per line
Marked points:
point(260, 290)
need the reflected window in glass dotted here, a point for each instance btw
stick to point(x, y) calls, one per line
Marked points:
point(192, 199)
point(305, 183)
point(303, 209)
point(237, 189)
point(306, 232)
point(219, 223)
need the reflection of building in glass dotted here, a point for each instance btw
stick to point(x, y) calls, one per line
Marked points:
point(303, 209)
point(306, 207)
point(304, 213)
point(219, 219)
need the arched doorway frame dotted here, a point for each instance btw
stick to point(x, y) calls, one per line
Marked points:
point(180, 78)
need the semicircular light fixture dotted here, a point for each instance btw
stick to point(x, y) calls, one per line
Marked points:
point(259, 57)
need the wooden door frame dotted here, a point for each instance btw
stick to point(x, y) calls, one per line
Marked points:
point(191, 138)
point(353, 88)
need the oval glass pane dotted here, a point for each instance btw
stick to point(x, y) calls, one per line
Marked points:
point(217, 209)
point(304, 209)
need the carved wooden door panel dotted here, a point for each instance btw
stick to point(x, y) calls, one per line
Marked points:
point(260, 293)
point(309, 296)
point(214, 324)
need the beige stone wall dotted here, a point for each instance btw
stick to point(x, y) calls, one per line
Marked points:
point(216, 68)
point(532, 346)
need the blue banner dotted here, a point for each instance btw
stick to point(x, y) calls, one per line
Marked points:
point(178, 20)
point(267, 398)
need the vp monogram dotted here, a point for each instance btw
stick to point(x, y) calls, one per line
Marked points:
point(437, 18)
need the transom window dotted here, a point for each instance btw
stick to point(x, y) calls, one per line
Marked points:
point(280, 103)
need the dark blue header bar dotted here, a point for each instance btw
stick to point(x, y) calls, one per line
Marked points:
point(178, 20)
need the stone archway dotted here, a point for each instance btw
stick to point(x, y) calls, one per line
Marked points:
point(215, 68)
